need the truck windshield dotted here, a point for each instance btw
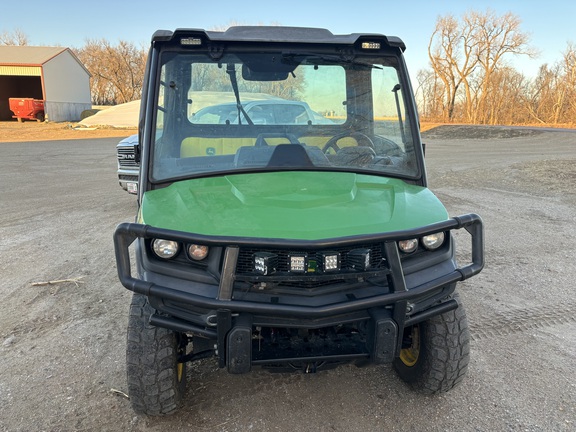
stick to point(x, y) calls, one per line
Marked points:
point(280, 111)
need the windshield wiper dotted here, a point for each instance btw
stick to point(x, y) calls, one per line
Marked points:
point(395, 91)
point(231, 70)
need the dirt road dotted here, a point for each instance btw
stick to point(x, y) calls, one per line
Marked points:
point(62, 345)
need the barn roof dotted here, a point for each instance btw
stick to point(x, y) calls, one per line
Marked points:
point(28, 55)
point(32, 55)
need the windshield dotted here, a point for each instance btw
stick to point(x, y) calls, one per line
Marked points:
point(280, 111)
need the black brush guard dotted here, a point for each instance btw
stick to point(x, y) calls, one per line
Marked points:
point(234, 326)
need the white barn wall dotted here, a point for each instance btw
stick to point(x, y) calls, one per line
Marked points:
point(66, 88)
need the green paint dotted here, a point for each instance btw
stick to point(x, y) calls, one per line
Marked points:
point(291, 205)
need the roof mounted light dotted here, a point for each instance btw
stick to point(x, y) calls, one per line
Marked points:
point(371, 45)
point(190, 41)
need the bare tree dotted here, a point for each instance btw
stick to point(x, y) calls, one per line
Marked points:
point(565, 111)
point(117, 71)
point(553, 92)
point(506, 97)
point(542, 95)
point(430, 95)
point(497, 38)
point(15, 37)
point(468, 54)
point(444, 51)
point(208, 77)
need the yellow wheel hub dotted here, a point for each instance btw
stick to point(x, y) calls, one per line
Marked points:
point(409, 356)
point(179, 371)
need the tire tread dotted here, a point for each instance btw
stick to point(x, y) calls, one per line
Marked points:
point(151, 367)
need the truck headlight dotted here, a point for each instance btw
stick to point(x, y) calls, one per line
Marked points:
point(408, 246)
point(433, 241)
point(197, 252)
point(165, 249)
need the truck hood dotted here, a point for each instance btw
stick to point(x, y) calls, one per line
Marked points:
point(291, 205)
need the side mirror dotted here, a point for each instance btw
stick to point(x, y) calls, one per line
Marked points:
point(137, 153)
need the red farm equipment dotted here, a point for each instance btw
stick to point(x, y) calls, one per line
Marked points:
point(27, 108)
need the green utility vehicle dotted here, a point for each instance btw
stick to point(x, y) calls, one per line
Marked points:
point(284, 217)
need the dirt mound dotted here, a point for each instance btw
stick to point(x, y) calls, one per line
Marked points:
point(479, 132)
point(123, 115)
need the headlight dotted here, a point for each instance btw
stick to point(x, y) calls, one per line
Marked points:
point(408, 246)
point(165, 249)
point(433, 241)
point(197, 252)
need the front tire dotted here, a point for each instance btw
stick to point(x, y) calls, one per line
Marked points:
point(435, 354)
point(156, 380)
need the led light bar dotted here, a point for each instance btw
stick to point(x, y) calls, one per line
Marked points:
point(265, 263)
point(359, 259)
point(329, 261)
point(370, 45)
point(190, 41)
point(298, 262)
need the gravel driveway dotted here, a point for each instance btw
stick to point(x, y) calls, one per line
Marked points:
point(62, 344)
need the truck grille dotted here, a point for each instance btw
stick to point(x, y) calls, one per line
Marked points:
point(126, 157)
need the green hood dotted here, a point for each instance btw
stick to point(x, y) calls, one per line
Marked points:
point(291, 205)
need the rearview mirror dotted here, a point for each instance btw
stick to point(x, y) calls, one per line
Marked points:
point(250, 74)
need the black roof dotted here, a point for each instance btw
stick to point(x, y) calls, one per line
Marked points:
point(278, 34)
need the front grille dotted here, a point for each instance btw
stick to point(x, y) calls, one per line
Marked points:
point(245, 264)
point(128, 177)
point(126, 157)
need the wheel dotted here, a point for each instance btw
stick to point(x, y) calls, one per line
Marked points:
point(40, 116)
point(156, 379)
point(435, 353)
point(361, 139)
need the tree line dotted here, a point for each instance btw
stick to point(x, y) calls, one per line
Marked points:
point(470, 79)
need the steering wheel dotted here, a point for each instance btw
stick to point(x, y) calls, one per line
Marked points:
point(362, 140)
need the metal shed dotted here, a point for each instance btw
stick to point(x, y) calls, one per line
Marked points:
point(53, 74)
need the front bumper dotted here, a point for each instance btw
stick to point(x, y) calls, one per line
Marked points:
point(128, 179)
point(226, 316)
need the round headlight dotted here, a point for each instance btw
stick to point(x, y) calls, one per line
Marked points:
point(165, 249)
point(408, 246)
point(433, 241)
point(197, 252)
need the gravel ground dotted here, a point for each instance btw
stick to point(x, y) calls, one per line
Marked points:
point(62, 345)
